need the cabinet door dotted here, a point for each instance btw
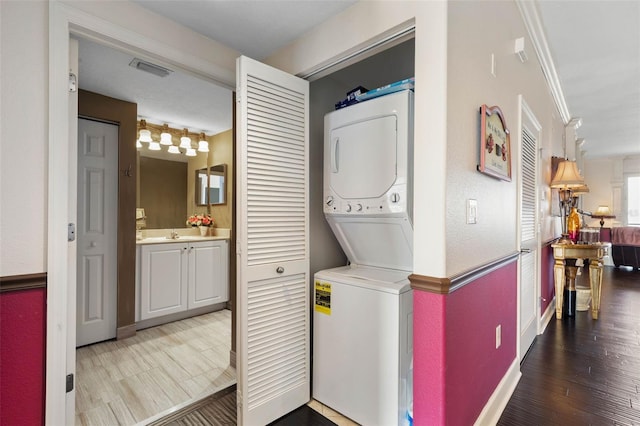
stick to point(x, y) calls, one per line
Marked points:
point(163, 275)
point(208, 273)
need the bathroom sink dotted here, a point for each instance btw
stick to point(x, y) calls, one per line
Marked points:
point(180, 238)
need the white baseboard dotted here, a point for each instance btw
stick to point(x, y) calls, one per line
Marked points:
point(548, 315)
point(500, 398)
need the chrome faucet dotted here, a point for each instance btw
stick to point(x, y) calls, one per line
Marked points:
point(174, 235)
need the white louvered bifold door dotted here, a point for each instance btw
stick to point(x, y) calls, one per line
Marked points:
point(273, 255)
point(528, 235)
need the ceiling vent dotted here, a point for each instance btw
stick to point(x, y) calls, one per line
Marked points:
point(154, 69)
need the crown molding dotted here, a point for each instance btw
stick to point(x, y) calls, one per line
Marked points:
point(528, 10)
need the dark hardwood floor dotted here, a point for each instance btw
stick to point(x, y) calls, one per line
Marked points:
point(585, 372)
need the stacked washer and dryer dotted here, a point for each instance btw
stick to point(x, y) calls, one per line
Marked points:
point(363, 312)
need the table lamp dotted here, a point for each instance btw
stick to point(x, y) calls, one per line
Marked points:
point(567, 179)
point(603, 213)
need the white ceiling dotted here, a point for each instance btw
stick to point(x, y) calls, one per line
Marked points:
point(596, 50)
point(595, 46)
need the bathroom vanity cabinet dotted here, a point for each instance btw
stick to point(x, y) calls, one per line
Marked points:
point(180, 276)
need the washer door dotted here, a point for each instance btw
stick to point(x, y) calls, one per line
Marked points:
point(363, 158)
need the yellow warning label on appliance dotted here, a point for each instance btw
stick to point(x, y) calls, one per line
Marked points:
point(323, 297)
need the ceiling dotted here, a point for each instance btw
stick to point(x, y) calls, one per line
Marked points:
point(595, 46)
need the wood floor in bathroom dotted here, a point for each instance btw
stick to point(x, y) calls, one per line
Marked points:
point(143, 378)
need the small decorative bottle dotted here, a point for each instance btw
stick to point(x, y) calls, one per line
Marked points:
point(573, 224)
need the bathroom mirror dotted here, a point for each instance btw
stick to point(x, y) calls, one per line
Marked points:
point(210, 189)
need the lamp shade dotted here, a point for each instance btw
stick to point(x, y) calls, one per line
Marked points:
point(567, 176)
point(173, 150)
point(165, 136)
point(203, 145)
point(185, 140)
point(191, 152)
point(579, 190)
point(603, 211)
point(154, 146)
point(144, 135)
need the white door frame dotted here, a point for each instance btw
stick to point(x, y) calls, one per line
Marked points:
point(61, 259)
point(532, 121)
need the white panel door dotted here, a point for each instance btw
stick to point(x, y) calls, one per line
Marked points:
point(528, 289)
point(97, 231)
point(272, 247)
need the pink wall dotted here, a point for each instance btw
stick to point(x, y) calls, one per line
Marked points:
point(456, 364)
point(22, 357)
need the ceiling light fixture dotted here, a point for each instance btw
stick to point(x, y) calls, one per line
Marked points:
point(185, 140)
point(203, 145)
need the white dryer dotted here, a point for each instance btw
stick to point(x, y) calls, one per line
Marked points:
point(363, 312)
point(368, 185)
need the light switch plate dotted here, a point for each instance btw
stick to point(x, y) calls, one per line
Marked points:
point(472, 211)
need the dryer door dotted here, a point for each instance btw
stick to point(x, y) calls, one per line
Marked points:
point(362, 157)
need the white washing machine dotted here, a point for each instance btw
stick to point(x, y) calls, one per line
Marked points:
point(363, 313)
point(362, 343)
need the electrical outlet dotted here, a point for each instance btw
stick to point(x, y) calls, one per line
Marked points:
point(498, 335)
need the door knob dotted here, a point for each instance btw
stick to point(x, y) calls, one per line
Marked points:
point(279, 269)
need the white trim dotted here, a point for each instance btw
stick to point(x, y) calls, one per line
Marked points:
point(535, 29)
point(499, 399)
point(64, 20)
point(548, 315)
point(57, 217)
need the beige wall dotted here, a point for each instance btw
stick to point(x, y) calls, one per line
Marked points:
point(605, 178)
point(23, 160)
point(470, 84)
point(220, 152)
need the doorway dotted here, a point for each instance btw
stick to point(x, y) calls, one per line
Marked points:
point(127, 374)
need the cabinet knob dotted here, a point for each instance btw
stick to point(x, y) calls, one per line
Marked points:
point(279, 269)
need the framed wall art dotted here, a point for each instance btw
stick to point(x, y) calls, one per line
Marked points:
point(495, 146)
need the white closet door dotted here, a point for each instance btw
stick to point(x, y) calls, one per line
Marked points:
point(529, 304)
point(272, 246)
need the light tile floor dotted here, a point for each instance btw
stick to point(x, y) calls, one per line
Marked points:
point(142, 378)
point(146, 377)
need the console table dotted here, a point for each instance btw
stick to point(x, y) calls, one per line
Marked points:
point(563, 272)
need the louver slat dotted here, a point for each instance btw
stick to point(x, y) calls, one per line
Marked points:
point(528, 206)
point(273, 181)
point(277, 335)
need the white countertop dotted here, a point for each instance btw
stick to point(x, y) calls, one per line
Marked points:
point(163, 236)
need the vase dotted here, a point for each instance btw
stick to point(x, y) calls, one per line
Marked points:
point(573, 225)
point(204, 230)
